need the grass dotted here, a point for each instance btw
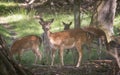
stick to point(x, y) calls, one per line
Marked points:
point(6, 7)
point(117, 25)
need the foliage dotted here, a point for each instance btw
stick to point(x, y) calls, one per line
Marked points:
point(6, 7)
point(117, 25)
point(3, 31)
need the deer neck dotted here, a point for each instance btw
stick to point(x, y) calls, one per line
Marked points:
point(48, 34)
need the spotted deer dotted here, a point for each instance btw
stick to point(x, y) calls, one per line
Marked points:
point(46, 45)
point(30, 42)
point(66, 27)
point(65, 40)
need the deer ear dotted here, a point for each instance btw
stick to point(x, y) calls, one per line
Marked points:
point(41, 21)
point(64, 23)
point(51, 20)
point(70, 23)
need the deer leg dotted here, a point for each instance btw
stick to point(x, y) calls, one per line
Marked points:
point(61, 56)
point(36, 58)
point(37, 55)
point(80, 55)
point(117, 57)
point(89, 50)
point(100, 48)
point(53, 56)
point(20, 55)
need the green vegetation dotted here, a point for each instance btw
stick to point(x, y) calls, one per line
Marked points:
point(24, 24)
point(117, 25)
point(7, 7)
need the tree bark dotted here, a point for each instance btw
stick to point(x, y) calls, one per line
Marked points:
point(7, 64)
point(103, 16)
point(77, 13)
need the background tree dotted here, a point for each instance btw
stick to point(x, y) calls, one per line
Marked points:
point(103, 16)
point(77, 13)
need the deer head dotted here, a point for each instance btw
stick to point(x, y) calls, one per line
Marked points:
point(46, 24)
point(67, 25)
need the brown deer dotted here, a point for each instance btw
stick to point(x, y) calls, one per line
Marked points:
point(25, 44)
point(101, 38)
point(66, 27)
point(45, 42)
point(65, 40)
point(100, 34)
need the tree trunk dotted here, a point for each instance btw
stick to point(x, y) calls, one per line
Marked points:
point(103, 16)
point(77, 13)
point(7, 64)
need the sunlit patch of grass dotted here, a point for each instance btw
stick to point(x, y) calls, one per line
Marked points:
point(24, 23)
point(85, 19)
point(27, 27)
point(8, 4)
point(17, 15)
point(13, 18)
point(117, 25)
point(117, 21)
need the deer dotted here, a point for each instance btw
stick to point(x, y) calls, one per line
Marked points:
point(67, 25)
point(27, 43)
point(100, 34)
point(65, 40)
point(101, 38)
point(45, 43)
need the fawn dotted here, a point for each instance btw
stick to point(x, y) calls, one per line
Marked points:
point(25, 44)
point(65, 40)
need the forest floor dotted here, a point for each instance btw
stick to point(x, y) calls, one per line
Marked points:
point(96, 67)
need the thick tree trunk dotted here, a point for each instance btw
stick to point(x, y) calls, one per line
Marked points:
point(104, 15)
point(7, 64)
point(77, 13)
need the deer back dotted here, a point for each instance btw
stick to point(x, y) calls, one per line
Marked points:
point(27, 42)
point(99, 34)
point(70, 37)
